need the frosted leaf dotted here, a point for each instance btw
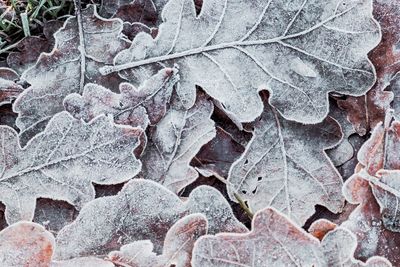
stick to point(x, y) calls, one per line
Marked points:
point(339, 245)
point(26, 244)
point(177, 250)
point(380, 151)
point(54, 214)
point(210, 202)
point(175, 141)
point(218, 154)
point(366, 223)
point(394, 86)
point(273, 241)
point(28, 51)
point(132, 106)
point(277, 241)
point(321, 227)
point(366, 111)
point(299, 51)
point(180, 239)
point(386, 189)
point(68, 67)
point(344, 151)
point(63, 161)
point(137, 254)
point(143, 210)
point(133, 11)
point(285, 166)
point(9, 89)
point(82, 262)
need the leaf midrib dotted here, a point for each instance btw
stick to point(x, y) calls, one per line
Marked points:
point(109, 69)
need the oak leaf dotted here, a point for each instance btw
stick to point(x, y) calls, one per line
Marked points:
point(63, 161)
point(299, 51)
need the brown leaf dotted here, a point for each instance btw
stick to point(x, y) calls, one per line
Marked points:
point(142, 210)
point(366, 222)
point(273, 241)
point(9, 89)
point(277, 241)
point(178, 245)
point(26, 244)
point(366, 111)
point(28, 51)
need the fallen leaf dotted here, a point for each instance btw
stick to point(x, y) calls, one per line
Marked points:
point(302, 52)
point(73, 62)
point(386, 189)
point(321, 227)
point(137, 254)
point(285, 166)
point(143, 210)
point(63, 161)
point(133, 106)
point(28, 51)
point(364, 112)
point(273, 241)
point(277, 241)
point(344, 151)
point(339, 245)
point(177, 250)
point(366, 223)
point(218, 154)
point(26, 244)
point(175, 141)
point(9, 89)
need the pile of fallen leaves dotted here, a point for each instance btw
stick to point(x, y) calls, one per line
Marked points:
point(204, 133)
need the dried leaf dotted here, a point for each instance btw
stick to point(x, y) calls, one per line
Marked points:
point(366, 111)
point(276, 241)
point(63, 161)
point(298, 53)
point(143, 210)
point(175, 141)
point(394, 86)
point(9, 89)
point(386, 189)
point(218, 154)
point(344, 151)
point(137, 254)
point(321, 227)
point(26, 244)
point(180, 239)
point(380, 151)
point(366, 222)
point(177, 250)
point(54, 214)
point(285, 166)
point(273, 241)
point(28, 51)
point(339, 245)
point(73, 62)
point(135, 107)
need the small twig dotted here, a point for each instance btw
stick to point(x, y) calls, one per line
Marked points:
point(244, 206)
point(77, 4)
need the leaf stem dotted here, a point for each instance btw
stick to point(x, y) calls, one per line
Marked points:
point(243, 205)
